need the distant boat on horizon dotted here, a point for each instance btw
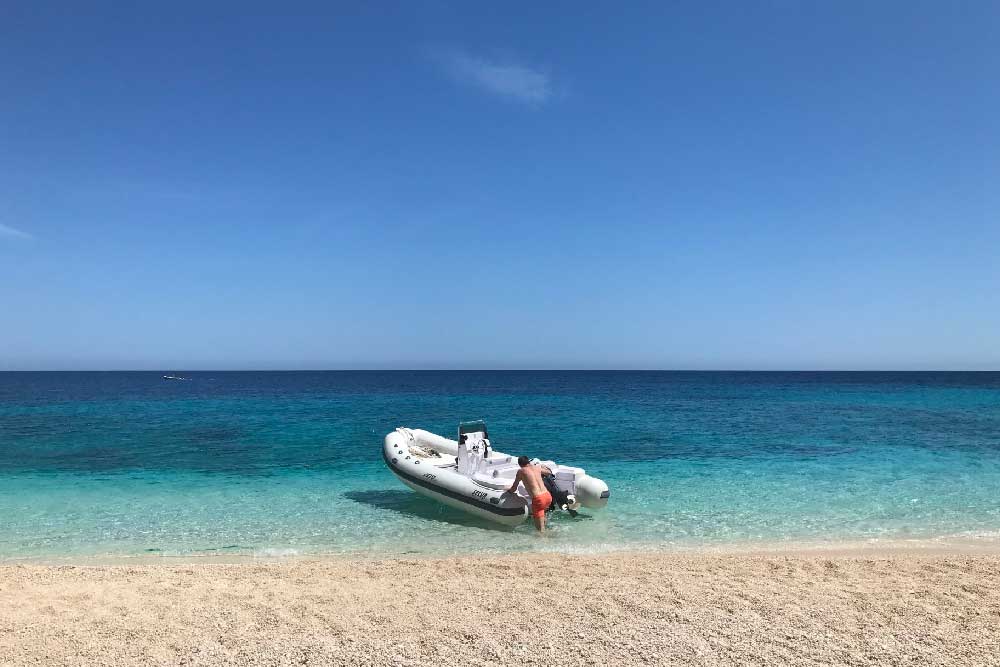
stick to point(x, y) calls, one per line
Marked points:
point(174, 377)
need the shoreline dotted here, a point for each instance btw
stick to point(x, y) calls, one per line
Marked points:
point(847, 548)
point(532, 609)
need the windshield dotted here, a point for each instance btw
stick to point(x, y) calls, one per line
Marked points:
point(476, 426)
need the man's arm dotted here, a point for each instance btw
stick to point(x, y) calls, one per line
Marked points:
point(517, 480)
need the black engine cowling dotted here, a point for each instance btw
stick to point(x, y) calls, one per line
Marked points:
point(560, 499)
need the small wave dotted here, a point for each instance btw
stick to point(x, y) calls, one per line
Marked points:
point(593, 549)
point(275, 552)
point(973, 535)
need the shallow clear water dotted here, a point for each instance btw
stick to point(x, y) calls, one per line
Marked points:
point(124, 464)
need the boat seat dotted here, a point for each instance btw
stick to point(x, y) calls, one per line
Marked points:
point(497, 467)
point(488, 480)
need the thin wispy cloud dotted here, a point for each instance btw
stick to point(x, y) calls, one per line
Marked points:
point(529, 85)
point(10, 232)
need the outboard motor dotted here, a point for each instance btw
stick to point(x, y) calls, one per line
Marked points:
point(560, 499)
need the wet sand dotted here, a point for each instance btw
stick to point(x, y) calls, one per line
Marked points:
point(623, 609)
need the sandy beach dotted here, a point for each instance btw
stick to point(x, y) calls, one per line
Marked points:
point(623, 609)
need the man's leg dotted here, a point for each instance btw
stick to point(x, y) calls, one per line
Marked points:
point(540, 522)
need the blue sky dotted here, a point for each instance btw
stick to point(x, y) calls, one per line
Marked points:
point(792, 185)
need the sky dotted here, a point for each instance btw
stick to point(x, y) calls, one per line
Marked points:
point(665, 185)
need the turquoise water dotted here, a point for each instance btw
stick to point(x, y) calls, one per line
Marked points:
point(271, 464)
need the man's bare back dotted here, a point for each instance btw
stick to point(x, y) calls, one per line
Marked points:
point(531, 476)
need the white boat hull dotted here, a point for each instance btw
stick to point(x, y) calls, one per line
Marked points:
point(447, 486)
point(406, 454)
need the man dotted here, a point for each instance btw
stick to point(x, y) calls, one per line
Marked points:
point(531, 476)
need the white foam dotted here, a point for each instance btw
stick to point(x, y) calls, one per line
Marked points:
point(276, 552)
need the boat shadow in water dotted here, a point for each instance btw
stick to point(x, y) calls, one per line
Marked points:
point(412, 504)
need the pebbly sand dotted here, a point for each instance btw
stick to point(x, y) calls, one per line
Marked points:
point(627, 609)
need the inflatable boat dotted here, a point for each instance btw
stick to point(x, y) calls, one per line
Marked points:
point(470, 475)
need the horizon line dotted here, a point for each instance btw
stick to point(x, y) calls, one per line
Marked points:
point(497, 370)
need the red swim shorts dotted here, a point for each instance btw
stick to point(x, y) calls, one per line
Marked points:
point(540, 503)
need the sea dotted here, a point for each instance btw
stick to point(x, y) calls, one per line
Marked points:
point(130, 465)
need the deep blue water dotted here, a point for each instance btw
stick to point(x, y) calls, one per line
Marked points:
point(122, 464)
